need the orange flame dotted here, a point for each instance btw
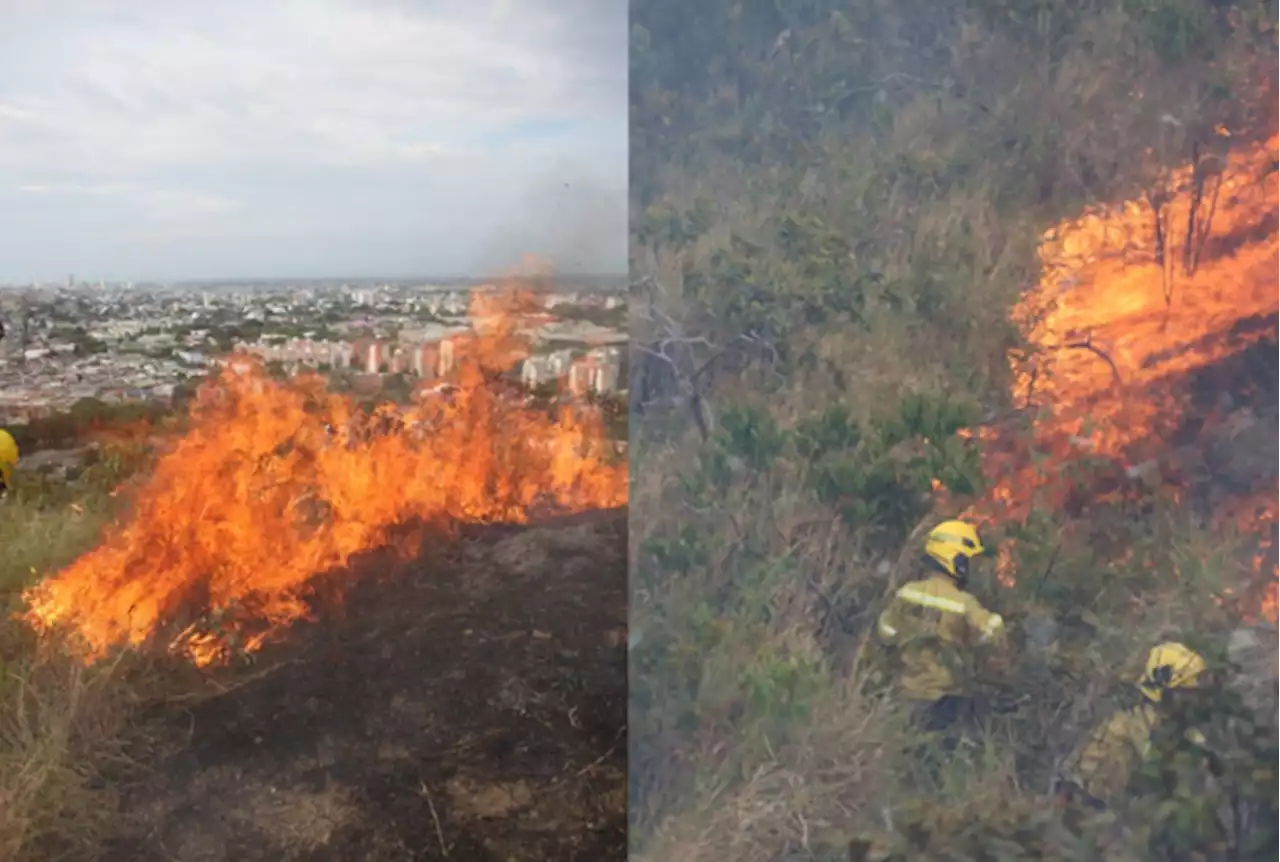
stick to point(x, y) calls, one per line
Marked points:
point(1114, 333)
point(275, 483)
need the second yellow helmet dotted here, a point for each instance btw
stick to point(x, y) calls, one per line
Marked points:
point(1170, 665)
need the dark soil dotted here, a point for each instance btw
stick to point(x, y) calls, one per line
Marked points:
point(469, 708)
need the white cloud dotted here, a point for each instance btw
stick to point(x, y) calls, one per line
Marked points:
point(72, 189)
point(396, 113)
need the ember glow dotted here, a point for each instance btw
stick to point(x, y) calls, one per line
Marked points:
point(273, 484)
point(1116, 336)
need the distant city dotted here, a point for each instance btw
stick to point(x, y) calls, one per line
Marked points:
point(615, 283)
point(115, 342)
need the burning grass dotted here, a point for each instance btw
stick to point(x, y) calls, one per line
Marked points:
point(216, 549)
point(1115, 334)
point(274, 483)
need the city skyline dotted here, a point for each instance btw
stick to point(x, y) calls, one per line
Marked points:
point(64, 346)
point(288, 140)
point(440, 281)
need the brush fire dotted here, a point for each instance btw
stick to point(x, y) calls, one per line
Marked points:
point(275, 483)
point(1138, 304)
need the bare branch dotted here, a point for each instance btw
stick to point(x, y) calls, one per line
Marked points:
point(688, 362)
point(1087, 344)
point(1206, 223)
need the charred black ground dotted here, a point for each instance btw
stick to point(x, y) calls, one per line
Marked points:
point(470, 706)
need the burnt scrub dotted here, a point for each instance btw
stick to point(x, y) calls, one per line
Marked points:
point(469, 705)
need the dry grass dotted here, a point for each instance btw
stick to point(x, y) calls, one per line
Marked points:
point(754, 779)
point(800, 796)
point(751, 730)
point(60, 736)
point(301, 821)
point(61, 724)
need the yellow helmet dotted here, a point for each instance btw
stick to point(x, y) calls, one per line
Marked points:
point(1170, 665)
point(951, 545)
point(8, 455)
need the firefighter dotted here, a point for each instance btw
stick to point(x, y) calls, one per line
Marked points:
point(8, 460)
point(1097, 772)
point(932, 625)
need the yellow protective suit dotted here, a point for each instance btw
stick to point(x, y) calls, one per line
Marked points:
point(1104, 761)
point(933, 625)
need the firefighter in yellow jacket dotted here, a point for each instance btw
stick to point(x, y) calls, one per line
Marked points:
point(8, 460)
point(932, 625)
point(1097, 772)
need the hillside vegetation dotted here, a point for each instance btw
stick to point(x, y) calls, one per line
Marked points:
point(179, 739)
point(836, 205)
point(61, 725)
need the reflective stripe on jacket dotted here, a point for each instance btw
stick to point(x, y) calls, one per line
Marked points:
point(933, 624)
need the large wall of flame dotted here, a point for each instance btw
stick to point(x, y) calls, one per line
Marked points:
point(1114, 336)
point(274, 483)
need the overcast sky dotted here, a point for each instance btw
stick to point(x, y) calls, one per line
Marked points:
point(143, 139)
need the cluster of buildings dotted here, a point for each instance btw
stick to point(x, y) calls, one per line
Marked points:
point(140, 342)
point(42, 389)
point(590, 370)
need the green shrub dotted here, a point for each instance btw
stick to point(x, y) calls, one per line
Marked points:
point(863, 187)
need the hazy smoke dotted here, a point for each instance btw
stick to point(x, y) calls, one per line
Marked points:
point(575, 223)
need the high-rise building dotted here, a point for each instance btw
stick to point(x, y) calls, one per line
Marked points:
point(373, 357)
point(595, 372)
